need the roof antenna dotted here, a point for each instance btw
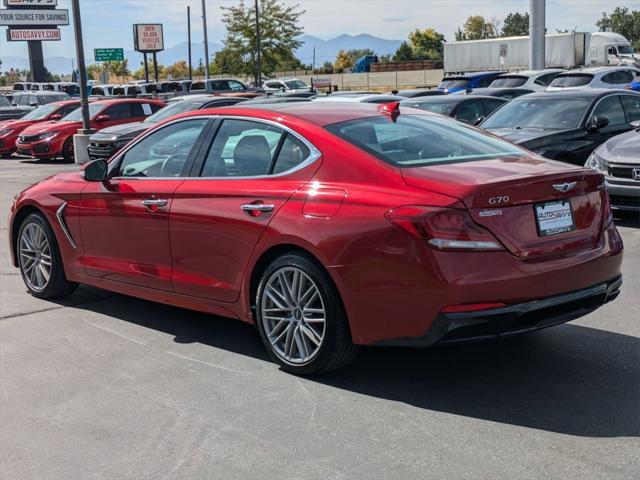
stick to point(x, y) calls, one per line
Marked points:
point(391, 110)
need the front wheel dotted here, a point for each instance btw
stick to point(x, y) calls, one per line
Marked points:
point(301, 319)
point(67, 151)
point(40, 261)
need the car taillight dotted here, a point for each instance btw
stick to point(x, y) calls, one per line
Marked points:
point(444, 228)
point(607, 212)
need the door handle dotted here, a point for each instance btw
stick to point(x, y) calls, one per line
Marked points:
point(257, 207)
point(154, 202)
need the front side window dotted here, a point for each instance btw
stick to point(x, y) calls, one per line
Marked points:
point(294, 84)
point(631, 105)
point(469, 111)
point(610, 107)
point(76, 115)
point(120, 111)
point(242, 148)
point(542, 113)
point(420, 140)
point(198, 86)
point(235, 85)
point(163, 153)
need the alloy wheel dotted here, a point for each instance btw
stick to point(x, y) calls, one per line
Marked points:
point(35, 257)
point(293, 315)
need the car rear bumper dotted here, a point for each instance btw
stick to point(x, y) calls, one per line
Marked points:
point(513, 319)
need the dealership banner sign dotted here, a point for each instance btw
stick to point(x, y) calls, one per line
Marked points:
point(33, 34)
point(148, 37)
point(33, 17)
point(31, 3)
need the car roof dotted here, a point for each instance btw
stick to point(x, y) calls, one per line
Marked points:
point(318, 113)
point(38, 92)
point(472, 74)
point(115, 101)
point(531, 73)
point(491, 91)
point(599, 69)
point(578, 93)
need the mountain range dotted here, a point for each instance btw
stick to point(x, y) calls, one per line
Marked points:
point(325, 50)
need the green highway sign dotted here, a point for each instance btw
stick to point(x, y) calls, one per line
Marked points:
point(108, 54)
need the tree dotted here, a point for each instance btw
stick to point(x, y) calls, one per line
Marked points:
point(426, 44)
point(404, 53)
point(347, 58)
point(180, 69)
point(93, 71)
point(515, 25)
point(120, 68)
point(477, 27)
point(279, 29)
point(624, 22)
point(343, 61)
point(199, 70)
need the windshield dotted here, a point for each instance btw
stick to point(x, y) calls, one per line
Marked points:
point(76, 115)
point(572, 80)
point(454, 83)
point(420, 140)
point(41, 112)
point(625, 50)
point(173, 109)
point(295, 84)
point(4, 102)
point(512, 81)
point(443, 107)
point(546, 114)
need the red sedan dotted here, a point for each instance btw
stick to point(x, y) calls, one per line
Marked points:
point(51, 112)
point(56, 139)
point(329, 227)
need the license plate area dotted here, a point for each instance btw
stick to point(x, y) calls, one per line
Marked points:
point(553, 218)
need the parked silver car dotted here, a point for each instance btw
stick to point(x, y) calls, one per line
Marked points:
point(619, 160)
point(594, 77)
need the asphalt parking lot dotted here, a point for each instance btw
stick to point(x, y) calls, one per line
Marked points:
point(106, 386)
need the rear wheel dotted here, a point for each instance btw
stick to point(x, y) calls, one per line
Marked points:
point(301, 319)
point(67, 151)
point(40, 261)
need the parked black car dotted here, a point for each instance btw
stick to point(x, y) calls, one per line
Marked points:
point(419, 92)
point(465, 108)
point(566, 125)
point(106, 142)
point(223, 85)
point(508, 93)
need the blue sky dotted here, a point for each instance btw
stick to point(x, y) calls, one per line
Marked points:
point(107, 23)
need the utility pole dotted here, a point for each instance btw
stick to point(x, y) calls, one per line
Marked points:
point(258, 56)
point(206, 40)
point(536, 34)
point(189, 39)
point(313, 66)
point(81, 140)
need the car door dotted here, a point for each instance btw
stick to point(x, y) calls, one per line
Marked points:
point(611, 108)
point(124, 221)
point(631, 104)
point(217, 217)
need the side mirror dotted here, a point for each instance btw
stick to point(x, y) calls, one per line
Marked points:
point(95, 171)
point(635, 124)
point(103, 118)
point(596, 123)
point(478, 121)
point(55, 116)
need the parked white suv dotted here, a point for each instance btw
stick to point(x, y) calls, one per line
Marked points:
point(594, 77)
point(536, 80)
point(289, 85)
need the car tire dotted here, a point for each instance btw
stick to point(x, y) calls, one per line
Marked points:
point(40, 261)
point(289, 317)
point(67, 151)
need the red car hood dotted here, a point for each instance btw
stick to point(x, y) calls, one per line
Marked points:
point(50, 127)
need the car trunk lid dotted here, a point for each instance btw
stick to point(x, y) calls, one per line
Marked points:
point(502, 196)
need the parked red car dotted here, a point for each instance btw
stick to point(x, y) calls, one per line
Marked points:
point(51, 113)
point(56, 139)
point(329, 227)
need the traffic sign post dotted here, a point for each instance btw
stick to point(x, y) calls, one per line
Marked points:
point(108, 54)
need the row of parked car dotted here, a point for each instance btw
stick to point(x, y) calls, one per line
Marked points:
point(566, 124)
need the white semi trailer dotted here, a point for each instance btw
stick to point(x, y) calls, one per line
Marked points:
point(562, 50)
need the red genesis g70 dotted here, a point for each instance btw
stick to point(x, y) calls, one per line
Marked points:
point(329, 227)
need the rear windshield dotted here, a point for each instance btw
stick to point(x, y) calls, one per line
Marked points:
point(454, 83)
point(510, 81)
point(175, 108)
point(420, 140)
point(442, 107)
point(543, 113)
point(572, 80)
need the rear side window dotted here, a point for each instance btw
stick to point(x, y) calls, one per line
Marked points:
point(292, 153)
point(546, 79)
point(121, 111)
point(509, 81)
point(197, 86)
point(417, 140)
point(242, 148)
point(631, 104)
point(67, 109)
point(490, 105)
point(469, 111)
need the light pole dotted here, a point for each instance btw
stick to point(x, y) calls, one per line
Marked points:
point(258, 56)
point(206, 40)
point(189, 39)
point(81, 139)
point(536, 34)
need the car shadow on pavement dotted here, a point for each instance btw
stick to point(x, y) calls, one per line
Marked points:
point(627, 219)
point(568, 379)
